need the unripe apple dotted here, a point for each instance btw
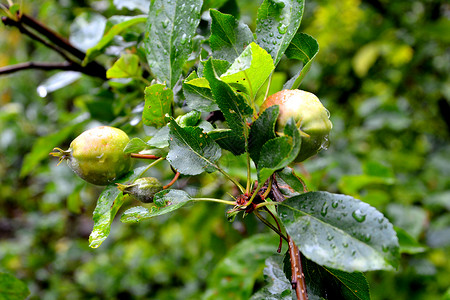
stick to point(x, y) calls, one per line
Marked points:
point(97, 155)
point(311, 117)
point(142, 189)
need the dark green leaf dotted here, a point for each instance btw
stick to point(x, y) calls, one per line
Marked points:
point(12, 288)
point(127, 66)
point(228, 140)
point(108, 203)
point(340, 232)
point(262, 130)
point(43, 146)
point(93, 52)
point(327, 283)
point(278, 286)
point(276, 25)
point(279, 152)
point(234, 276)
point(233, 106)
point(165, 201)
point(168, 38)
point(191, 150)
point(304, 48)
point(199, 98)
point(158, 103)
point(228, 36)
point(135, 145)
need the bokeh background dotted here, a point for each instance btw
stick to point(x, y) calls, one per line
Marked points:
point(383, 73)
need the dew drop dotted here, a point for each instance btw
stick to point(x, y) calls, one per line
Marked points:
point(353, 252)
point(358, 216)
point(345, 245)
point(385, 248)
point(271, 34)
point(165, 23)
point(282, 28)
point(367, 237)
point(324, 209)
point(335, 204)
point(330, 237)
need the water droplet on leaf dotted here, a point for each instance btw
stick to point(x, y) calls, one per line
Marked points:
point(359, 216)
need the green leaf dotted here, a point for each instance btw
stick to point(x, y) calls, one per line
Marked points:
point(93, 52)
point(229, 37)
point(158, 103)
point(304, 48)
point(127, 66)
point(262, 130)
point(408, 244)
point(234, 276)
point(191, 150)
point(276, 25)
point(168, 38)
point(291, 179)
point(197, 97)
point(340, 232)
point(43, 146)
point(108, 203)
point(228, 140)
point(165, 201)
point(279, 152)
point(135, 145)
point(12, 288)
point(190, 119)
point(250, 69)
point(322, 282)
point(160, 139)
point(278, 286)
point(233, 106)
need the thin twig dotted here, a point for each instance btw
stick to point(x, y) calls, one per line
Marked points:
point(172, 181)
point(144, 156)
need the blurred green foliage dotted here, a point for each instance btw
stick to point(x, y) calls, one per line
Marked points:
point(382, 71)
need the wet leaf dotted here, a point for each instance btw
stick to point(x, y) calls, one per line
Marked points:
point(229, 37)
point(168, 38)
point(165, 201)
point(108, 203)
point(191, 150)
point(340, 232)
point(276, 25)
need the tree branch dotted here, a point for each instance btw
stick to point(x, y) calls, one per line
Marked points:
point(55, 42)
point(298, 279)
point(39, 65)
